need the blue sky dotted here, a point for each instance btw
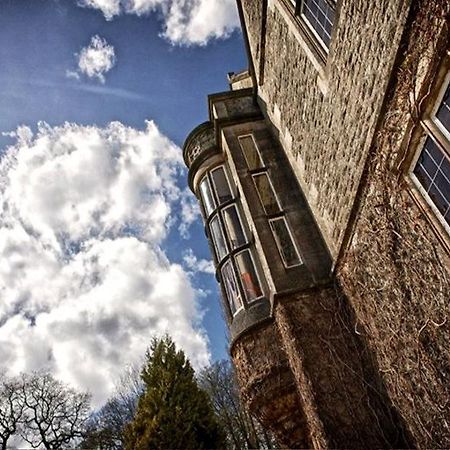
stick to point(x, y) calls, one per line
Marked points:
point(94, 199)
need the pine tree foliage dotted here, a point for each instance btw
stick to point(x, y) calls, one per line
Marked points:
point(173, 412)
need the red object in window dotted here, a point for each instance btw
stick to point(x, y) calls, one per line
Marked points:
point(250, 287)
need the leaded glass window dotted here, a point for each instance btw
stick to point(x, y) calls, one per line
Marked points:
point(433, 173)
point(432, 168)
point(320, 16)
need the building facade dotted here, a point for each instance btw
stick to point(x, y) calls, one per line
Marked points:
point(323, 176)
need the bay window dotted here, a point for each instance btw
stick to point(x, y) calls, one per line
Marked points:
point(232, 247)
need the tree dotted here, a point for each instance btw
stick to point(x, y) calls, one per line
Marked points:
point(54, 414)
point(11, 408)
point(173, 411)
point(105, 428)
point(241, 429)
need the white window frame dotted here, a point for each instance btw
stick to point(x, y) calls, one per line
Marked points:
point(244, 231)
point(313, 30)
point(273, 219)
point(214, 189)
point(230, 263)
point(258, 174)
point(242, 136)
point(248, 250)
point(434, 130)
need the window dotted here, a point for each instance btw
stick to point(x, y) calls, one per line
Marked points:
point(248, 276)
point(251, 152)
point(231, 288)
point(233, 226)
point(232, 247)
point(206, 196)
point(284, 241)
point(221, 186)
point(269, 201)
point(319, 16)
point(431, 170)
point(266, 193)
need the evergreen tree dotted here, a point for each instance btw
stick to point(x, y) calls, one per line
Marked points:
point(173, 412)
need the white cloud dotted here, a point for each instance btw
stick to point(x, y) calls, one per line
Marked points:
point(190, 212)
point(84, 280)
point(197, 265)
point(95, 60)
point(185, 22)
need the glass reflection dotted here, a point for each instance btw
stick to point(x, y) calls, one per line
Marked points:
point(249, 278)
point(221, 186)
point(233, 226)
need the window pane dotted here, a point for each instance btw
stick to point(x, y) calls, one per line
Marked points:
point(266, 193)
point(251, 152)
point(443, 113)
point(284, 242)
point(221, 185)
point(218, 238)
point(247, 273)
point(433, 172)
point(231, 287)
point(320, 15)
point(206, 195)
point(233, 226)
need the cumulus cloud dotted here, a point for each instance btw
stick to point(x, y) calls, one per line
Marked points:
point(84, 280)
point(190, 212)
point(95, 60)
point(197, 265)
point(185, 22)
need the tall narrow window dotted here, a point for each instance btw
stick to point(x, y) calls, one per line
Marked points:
point(251, 152)
point(233, 225)
point(266, 193)
point(284, 242)
point(231, 288)
point(218, 238)
point(206, 196)
point(221, 186)
point(249, 278)
point(431, 171)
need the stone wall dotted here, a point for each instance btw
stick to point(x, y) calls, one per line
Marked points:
point(396, 270)
point(326, 118)
point(252, 10)
point(342, 393)
point(268, 387)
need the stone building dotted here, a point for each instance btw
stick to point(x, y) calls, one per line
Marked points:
point(323, 176)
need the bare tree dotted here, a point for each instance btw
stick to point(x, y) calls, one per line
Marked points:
point(106, 426)
point(11, 408)
point(55, 415)
point(242, 430)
